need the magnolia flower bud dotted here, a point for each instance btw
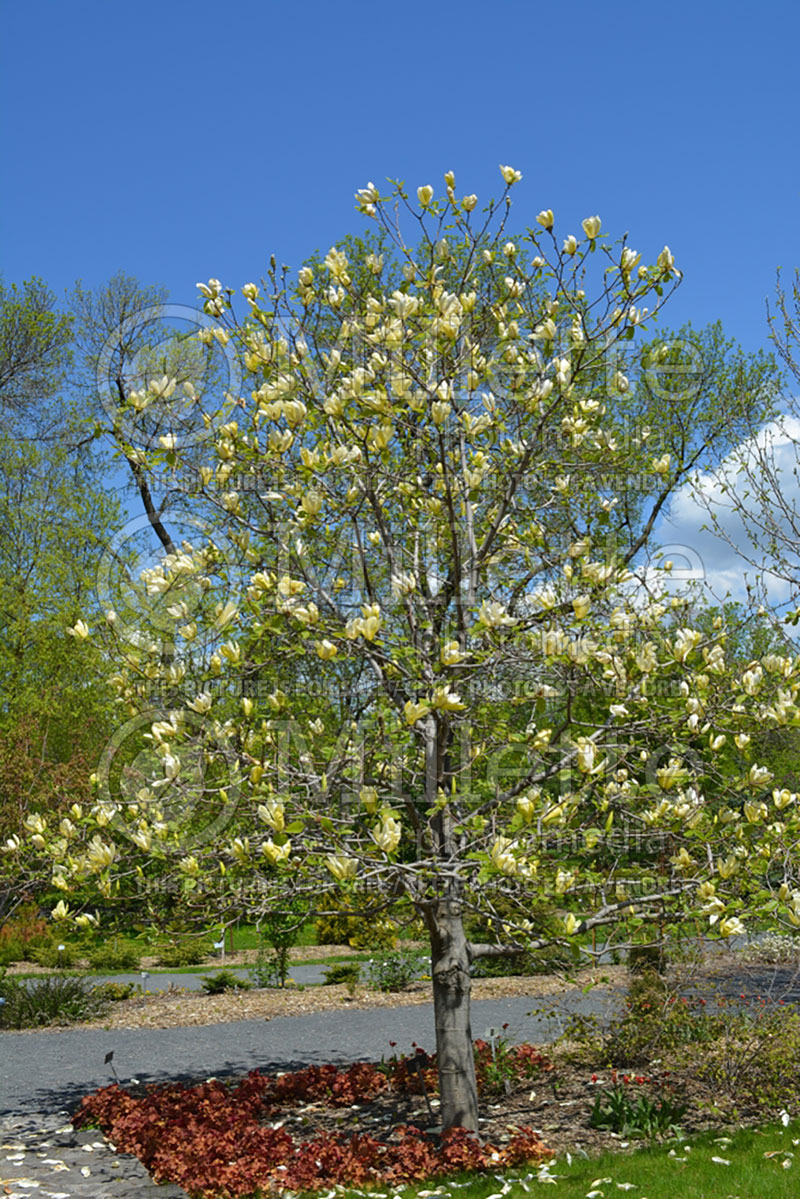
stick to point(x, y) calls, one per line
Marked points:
point(591, 227)
point(469, 202)
point(570, 245)
point(546, 218)
point(425, 195)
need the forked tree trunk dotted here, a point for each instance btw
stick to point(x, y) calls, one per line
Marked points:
point(458, 1090)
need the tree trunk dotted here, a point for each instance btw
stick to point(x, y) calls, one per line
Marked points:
point(451, 990)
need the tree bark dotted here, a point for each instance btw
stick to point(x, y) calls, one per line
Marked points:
point(458, 1090)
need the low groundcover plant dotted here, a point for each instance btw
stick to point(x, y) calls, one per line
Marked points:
point(220, 1141)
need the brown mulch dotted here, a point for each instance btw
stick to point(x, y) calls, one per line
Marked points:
point(177, 1007)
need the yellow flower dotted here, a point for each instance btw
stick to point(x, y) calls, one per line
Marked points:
point(276, 853)
point(79, 630)
point(272, 813)
point(591, 227)
point(415, 711)
point(581, 606)
point(326, 650)
point(510, 176)
point(387, 834)
point(425, 195)
point(341, 867)
point(545, 218)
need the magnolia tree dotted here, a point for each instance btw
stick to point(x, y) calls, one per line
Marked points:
point(414, 661)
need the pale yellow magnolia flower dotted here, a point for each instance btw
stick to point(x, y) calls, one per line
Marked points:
point(87, 920)
point(276, 853)
point(142, 838)
point(565, 879)
point(240, 848)
point(326, 650)
point(587, 753)
point(387, 834)
point(189, 865)
point(570, 245)
point(571, 925)
point(493, 615)
point(682, 860)
point(311, 503)
point(450, 654)
point(288, 587)
point(469, 202)
point(731, 926)
point(591, 226)
point(403, 584)
point(581, 606)
point(759, 775)
point(369, 798)
point(79, 630)
point(202, 703)
point(754, 811)
point(501, 858)
point(225, 614)
point(60, 911)
point(307, 614)
point(526, 808)
point(685, 642)
point(445, 700)
point(661, 465)
point(425, 195)
point(728, 866)
point(100, 854)
point(272, 813)
point(783, 798)
point(510, 176)
point(673, 774)
point(341, 867)
point(546, 218)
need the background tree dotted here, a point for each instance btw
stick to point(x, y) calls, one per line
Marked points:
point(415, 539)
point(35, 344)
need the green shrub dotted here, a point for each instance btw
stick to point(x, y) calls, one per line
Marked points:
point(224, 980)
point(395, 970)
point(55, 956)
point(346, 974)
point(342, 924)
point(114, 955)
point(183, 953)
point(114, 991)
point(10, 952)
point(56, 999)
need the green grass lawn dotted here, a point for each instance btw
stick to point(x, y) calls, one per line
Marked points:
point(749, 1164)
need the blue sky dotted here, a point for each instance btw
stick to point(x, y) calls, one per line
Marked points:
point(180, 140)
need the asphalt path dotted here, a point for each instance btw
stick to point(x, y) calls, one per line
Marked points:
point(48, 1071)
